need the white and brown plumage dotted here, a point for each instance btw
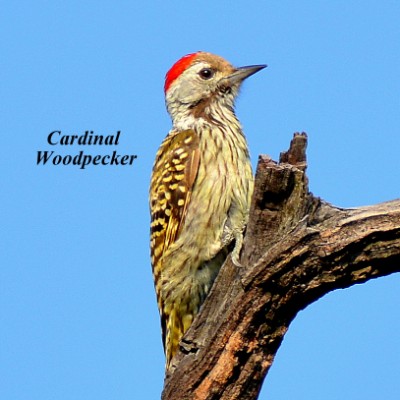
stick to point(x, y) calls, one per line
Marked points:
point(200, 190)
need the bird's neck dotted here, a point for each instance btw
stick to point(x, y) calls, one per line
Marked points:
point(205, 113)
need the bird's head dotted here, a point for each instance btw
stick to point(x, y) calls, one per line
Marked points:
point(199, 80)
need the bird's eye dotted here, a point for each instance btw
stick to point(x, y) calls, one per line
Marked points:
point(206, 73)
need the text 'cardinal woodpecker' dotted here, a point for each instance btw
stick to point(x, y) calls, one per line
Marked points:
point(201, 188)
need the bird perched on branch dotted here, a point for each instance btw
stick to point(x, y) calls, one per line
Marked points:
point(201, 187)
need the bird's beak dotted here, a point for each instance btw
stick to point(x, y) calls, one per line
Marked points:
point(241, 73)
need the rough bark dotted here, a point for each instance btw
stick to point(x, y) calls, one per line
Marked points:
point(297, 248)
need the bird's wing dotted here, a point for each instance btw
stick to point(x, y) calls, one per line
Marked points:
point(174, 173)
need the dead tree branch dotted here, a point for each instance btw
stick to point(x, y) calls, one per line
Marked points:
point(297, 249)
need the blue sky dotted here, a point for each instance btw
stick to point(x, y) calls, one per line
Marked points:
point(77, 306)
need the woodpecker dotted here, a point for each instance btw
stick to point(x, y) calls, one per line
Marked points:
point(200, 190)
